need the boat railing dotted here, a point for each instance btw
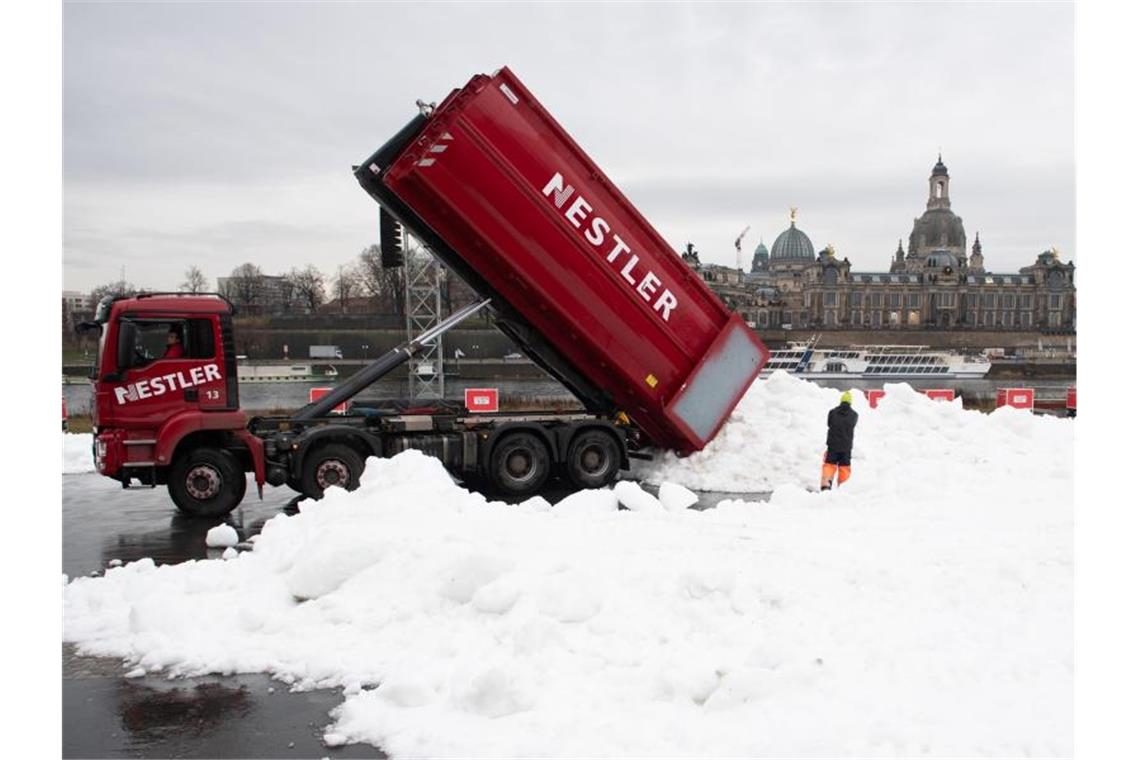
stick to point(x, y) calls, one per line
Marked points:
point(893, 347)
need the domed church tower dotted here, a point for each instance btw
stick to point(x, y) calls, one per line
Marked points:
point(939, 186)
point(760, 258)
point(939, 229)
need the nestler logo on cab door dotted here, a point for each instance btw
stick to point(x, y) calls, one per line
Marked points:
point(598, 233)
point(174, 381)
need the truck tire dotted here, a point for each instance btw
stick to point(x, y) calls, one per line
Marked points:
point(593, 459)
point(520, 464)
point(330, 464)
point(206, 482)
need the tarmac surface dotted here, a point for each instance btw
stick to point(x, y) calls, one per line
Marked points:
point(107, 715)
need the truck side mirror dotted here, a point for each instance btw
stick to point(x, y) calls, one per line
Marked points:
point(128, 333)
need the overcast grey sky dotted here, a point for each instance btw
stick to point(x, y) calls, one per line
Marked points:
point(218, 133)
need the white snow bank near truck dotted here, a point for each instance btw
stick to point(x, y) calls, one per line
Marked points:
point(77, 456)
point(777, 435)
point(926, 608)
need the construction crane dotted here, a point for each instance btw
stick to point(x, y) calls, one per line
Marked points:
point(739, 238)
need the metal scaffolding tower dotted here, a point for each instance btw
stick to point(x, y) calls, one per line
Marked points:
point(423, 283)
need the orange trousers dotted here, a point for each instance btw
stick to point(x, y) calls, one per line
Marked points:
point(829, 471)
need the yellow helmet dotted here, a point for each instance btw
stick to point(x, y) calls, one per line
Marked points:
point(845, 398)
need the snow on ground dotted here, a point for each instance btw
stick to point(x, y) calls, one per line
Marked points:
point(77, 455)
point(926, 608)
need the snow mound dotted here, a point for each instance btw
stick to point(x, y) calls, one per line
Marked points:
point(924, 610)
point(777, 436)
point(77, 455)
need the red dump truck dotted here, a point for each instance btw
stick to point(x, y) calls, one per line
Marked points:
point(570, 270)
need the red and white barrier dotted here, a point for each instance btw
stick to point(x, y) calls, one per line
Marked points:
point(1071, 399)
point(1018, 398)
point(873, 397)
point(940, 394)
point(481, 399)
point(318, 393)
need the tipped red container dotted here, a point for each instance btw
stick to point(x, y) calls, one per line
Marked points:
point(578, 277)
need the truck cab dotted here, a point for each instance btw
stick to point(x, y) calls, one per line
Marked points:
point(165, 385)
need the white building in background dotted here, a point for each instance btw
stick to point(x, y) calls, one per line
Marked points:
point(76, 300)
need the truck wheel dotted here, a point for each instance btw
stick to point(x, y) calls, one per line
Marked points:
point(593, 459)
point(520, 464)
point(333, 464)
point(206, 482)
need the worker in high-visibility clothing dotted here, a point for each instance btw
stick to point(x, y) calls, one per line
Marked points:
point(840, 439)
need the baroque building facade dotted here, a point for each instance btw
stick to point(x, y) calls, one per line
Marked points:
point(939, 282)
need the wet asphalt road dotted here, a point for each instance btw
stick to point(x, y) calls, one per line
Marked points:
point(107, 715)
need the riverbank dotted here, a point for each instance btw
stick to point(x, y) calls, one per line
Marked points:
point(1051, 368)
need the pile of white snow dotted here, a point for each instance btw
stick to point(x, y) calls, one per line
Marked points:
point(778, 432)
point(77, 456)
point(926, 608)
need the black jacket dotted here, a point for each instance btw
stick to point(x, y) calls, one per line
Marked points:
point(841, 428)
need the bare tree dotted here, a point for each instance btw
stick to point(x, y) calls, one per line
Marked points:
point(116, 288)
point(345, 286)
point(195, 281)
point(384, 284)
point(371, 272)
point(308, 285)
point(245, 287)
point(456, 293)
point(69, 336)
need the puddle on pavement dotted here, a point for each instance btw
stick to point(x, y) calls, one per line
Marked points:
point(107, 715)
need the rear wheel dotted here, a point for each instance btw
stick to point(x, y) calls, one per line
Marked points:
point(520, 464)
point(206, 482)
point(593, 459)
point(331, 464)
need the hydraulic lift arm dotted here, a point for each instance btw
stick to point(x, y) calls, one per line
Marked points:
point(382, 366)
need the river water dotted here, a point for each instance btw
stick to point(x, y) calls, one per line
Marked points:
point(522, 393)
